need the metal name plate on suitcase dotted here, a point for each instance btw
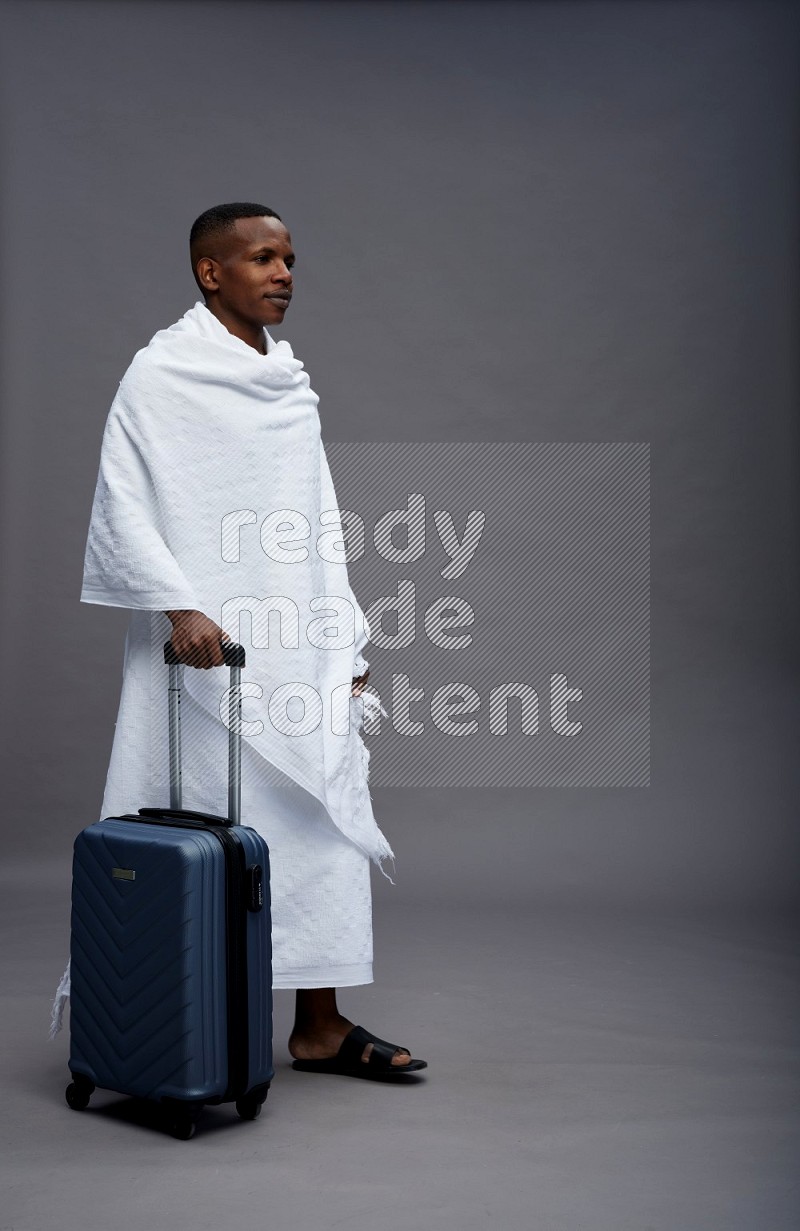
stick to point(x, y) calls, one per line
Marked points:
point(171, 959)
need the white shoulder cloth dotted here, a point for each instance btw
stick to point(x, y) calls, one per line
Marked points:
point(215, 494)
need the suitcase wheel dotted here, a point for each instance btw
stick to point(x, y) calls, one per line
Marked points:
point(78, 1093)
point(249, 1107)
point(183, 1127)
point(180, 1117)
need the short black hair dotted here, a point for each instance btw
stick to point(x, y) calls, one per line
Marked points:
point(221, 218)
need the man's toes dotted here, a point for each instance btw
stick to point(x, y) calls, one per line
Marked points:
point(400, 1057)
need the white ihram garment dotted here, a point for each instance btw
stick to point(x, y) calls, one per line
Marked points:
point(205, 439)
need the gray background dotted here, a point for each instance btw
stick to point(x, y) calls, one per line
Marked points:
point(541, 222)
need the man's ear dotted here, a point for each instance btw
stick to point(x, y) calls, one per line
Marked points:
point(207, 275)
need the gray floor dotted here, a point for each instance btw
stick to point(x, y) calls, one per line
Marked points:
point(599, 1070)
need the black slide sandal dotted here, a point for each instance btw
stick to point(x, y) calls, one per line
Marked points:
point(348, 1063)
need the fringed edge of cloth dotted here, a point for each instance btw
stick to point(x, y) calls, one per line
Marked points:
point(60, 1003)
point(371, 708)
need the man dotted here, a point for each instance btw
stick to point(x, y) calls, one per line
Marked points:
point(215, 425)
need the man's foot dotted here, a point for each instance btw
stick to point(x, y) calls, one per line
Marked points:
point(322, 1042)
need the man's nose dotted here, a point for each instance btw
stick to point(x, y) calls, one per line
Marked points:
point(283, 273)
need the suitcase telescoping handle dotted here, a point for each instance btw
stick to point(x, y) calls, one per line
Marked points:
point(234, 658)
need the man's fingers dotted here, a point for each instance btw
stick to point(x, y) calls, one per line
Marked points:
point(201, 654)
point(359, 683)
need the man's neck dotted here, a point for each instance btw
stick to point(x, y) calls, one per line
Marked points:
point(253, 335)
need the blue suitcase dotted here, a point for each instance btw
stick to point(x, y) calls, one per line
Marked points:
point(171, 958)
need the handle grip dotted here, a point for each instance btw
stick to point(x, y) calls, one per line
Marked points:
point(231, 652)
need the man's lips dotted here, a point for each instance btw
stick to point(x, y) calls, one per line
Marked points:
point(280, 297)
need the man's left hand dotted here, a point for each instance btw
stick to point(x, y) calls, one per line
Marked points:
point(358, 683)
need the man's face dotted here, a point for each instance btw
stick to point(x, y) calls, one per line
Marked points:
point(250, 273)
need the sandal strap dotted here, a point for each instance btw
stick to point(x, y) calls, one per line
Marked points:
point(380, 1057)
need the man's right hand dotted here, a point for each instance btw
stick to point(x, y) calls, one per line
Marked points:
point(196, 639)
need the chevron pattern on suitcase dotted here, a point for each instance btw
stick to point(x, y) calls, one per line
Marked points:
point(148, 1004)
